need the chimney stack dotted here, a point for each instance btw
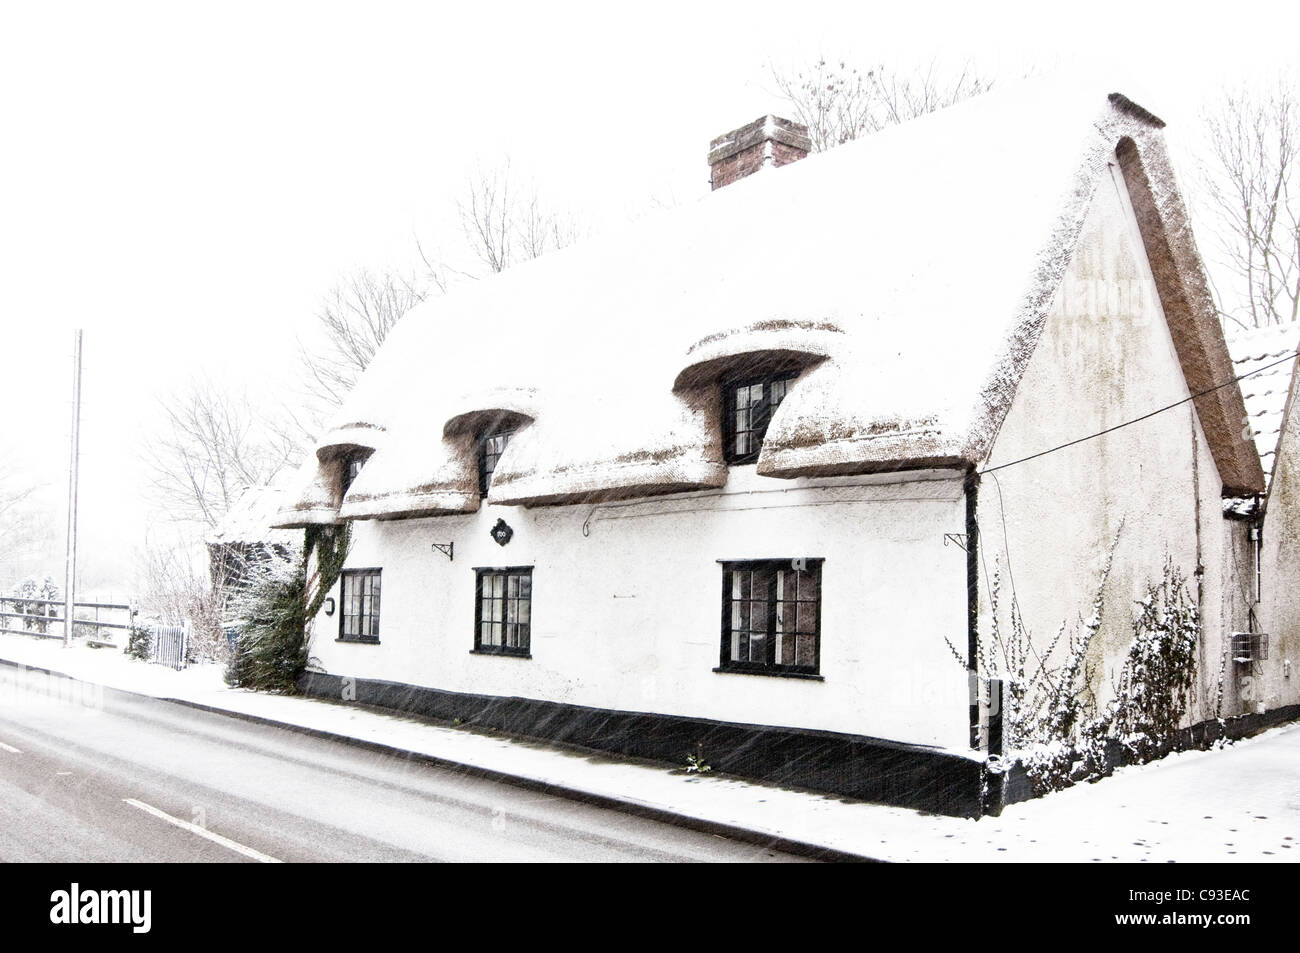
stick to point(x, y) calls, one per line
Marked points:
point(767, 141)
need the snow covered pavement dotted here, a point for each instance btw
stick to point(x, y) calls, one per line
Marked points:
point(1240, 803)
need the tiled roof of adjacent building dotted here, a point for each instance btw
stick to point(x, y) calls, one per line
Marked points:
point(1265, 391)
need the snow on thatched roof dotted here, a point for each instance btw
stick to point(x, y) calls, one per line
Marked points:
point(251, 519)
point(907, 275)
point(1266, 390)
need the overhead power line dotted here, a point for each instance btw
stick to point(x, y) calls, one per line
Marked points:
point(1137, 420)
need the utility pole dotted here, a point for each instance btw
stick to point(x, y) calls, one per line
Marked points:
point(71, 565)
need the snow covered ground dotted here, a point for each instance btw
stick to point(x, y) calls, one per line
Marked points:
point(1240, 803)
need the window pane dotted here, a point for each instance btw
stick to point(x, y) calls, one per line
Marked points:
point(504, 610)
point(810, 586)
point(806, 649)
point(740, 616)
point(359, 604)
point(771, 615)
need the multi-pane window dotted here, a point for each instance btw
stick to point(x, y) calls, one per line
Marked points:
point(490, 448)
point(771, 616)
point(359, 609)
point(749, 407)
point(504, 616)
point(352, 468)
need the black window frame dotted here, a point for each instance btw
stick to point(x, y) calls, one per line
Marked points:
point(351, 467)
point(377, 603)
point(730, 386)
point(770, 567)
point(484, 473)
point(516, 651)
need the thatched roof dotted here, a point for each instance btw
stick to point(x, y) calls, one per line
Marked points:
point(908, 274)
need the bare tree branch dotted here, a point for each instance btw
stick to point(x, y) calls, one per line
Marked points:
point(25, 525)
point(352, 322)
point(839, 102)
point(1254, 147)
point(505, 223)
point(214, 445)
point(501, 223)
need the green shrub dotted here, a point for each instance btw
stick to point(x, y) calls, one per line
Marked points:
point(139, 643)
point(270, 652)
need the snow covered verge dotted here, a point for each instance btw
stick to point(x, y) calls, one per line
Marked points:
point(1239, 803)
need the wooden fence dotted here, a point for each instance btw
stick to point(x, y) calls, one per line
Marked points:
point(48, 616)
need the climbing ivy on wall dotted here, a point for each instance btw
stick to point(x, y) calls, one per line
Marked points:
point(270, 653)
point(331, 546)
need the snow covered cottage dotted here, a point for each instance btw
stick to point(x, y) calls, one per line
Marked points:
point(737, 481)
point(244, 538)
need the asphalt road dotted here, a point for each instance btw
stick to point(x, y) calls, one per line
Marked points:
point(94, 775)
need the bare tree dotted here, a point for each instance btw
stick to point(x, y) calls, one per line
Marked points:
point(25, 525)
point(14, 491)
point(352, 322)
point(214, 445)
point(505, 223)
point(839, 102)
point(501, 223)
point(1254, 145)
point(174, 588)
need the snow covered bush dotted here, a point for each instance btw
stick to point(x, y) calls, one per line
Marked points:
point(36, 614)
point(269, 610)
point(1156, 682)
point(1047, 693)
point(1051, 717)
point(139, 643)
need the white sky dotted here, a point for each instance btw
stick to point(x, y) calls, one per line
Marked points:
point(185, 182)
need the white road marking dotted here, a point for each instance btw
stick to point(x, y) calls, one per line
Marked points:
point(10, 748)
point(238, 848)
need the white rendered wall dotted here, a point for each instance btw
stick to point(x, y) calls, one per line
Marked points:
point(1280, 615)
point(629, 617)
point(1105, 357)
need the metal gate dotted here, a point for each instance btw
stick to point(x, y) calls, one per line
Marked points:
point(168, 644)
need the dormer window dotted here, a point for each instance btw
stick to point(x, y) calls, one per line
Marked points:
point(490, 447)
point(352, 465)
point(749, 404)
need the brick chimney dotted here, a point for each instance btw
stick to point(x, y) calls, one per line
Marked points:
point(767, 141)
